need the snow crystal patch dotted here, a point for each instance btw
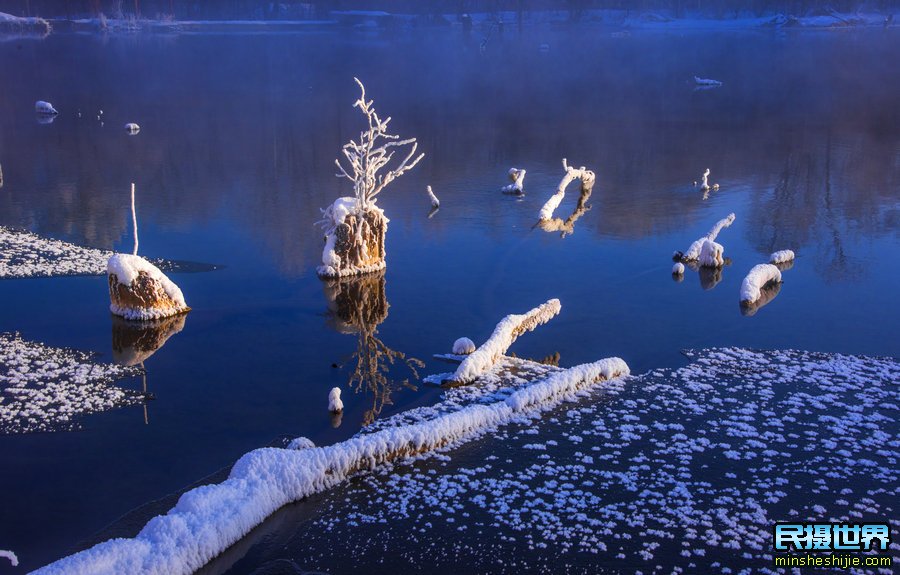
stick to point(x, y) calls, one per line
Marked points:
point(46, 389)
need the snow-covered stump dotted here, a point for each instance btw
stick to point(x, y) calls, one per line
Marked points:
point(42, 108)
point(693, 252)
point(134, 342)
point(517, 187)
point(507, 331)
point(335, 405)
point(711, 255)
point(138, 290)
point(354, 226)
point(760, 276)
point(587, 178)
point(355, 243)
point(209, 519)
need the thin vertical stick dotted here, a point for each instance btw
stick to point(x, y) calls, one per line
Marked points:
point(134, 219)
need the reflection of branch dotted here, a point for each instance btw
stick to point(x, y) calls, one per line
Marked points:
point(587, 182)
point(567, 226)
point(359, 305)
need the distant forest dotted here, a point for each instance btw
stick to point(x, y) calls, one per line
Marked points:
point(320, 9)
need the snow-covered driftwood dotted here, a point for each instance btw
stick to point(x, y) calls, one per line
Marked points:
point(587, 183)
point(760, 275)
point(517, 177)
point(355, 227)
point(693, 252)
point(711, 255)
point(506, 332)
point(567, 226)
point(435, 202)
point(209, 519)
point(45, 108)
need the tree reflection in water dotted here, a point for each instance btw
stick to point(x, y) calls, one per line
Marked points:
point(358, 305)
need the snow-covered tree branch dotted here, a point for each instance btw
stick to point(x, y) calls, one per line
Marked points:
point(354, 226)
point(587, 183)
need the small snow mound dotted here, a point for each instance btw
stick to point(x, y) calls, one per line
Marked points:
point(678, 269)
point(335, 404)
point(781, 257)
point(301, 443)
point(132, 128)
point(463, 346)
point(42, 107)
point(758, 277)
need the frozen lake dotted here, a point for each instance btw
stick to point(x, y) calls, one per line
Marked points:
point(235, 158)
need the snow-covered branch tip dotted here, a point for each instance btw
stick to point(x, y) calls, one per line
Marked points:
point(365, 158)
point(517, 177)
point(511, 327)
point(587, 183)
point(693, 253)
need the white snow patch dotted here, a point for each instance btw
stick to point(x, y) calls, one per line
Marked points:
point(781, 257)
point(463, 346)
point(334, 400)
point(759, 276)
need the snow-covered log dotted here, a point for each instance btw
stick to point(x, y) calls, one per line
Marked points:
point(693, 253)
point(781, 257)
point(506, 332)
point(463, 346)
point(355, 227)
point(138, 290)
point(587, 183)
point(134, 342)
point(209, 519)
point(517, 177)
point(45, 108)
point(334, 400)
point(711, 255)
point(435, 202)
point(567, 226)
point(759, 276)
